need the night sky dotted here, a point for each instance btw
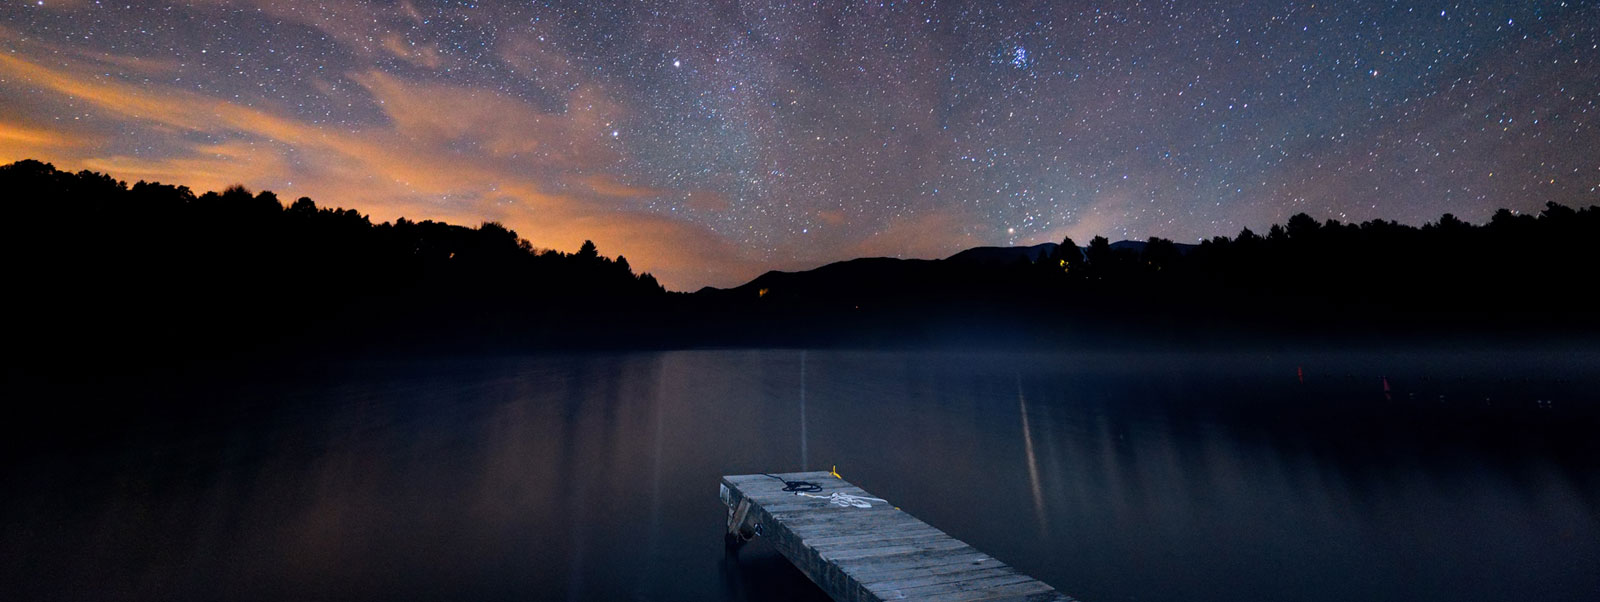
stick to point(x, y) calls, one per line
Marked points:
point(711, 141)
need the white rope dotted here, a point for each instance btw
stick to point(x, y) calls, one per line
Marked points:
point(845, 500)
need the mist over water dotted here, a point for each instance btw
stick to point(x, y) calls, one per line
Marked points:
point(1288, 475)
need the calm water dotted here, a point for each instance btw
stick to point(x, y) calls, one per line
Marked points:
point(592, 477)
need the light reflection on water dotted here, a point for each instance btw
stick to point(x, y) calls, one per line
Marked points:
point(1113, 477)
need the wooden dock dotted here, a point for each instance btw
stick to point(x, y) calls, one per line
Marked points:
point(858, 547)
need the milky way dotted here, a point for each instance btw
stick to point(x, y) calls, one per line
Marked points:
point(710, 141)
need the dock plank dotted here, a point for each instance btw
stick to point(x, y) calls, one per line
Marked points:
point(871, 553)
point(876, 569)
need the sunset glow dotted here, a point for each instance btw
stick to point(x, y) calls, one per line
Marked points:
point(710, 145)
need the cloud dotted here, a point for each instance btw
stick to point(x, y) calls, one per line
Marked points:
point(216, 164)
point(421, 55)
point(497, 125)
point(609, 187)
point(360, 26)
point(18, 139)
point(445, 152)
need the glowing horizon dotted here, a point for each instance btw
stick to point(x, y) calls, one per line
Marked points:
point(710, 146)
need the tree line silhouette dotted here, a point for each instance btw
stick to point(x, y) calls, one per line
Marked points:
point(103, 268)
point(1518, 276)
point(1517, 273)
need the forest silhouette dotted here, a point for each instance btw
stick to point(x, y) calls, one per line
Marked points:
point(103, 269)
point(1517, 278)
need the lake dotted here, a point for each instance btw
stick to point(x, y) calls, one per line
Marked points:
point(1282, 475)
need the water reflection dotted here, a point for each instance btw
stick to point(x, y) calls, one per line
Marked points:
point(593, 477)
point(805, 454)
point(1033, 461)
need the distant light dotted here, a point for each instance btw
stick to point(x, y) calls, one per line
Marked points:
point(614, 133)
point(676, 63)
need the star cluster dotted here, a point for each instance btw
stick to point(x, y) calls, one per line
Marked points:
point(709, 141)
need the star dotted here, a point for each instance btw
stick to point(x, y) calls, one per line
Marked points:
point(1166, 119)
point(1019, 57)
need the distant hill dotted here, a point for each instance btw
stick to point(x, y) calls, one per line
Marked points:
point(999, 256)
point(888, 272)
point(857, 275)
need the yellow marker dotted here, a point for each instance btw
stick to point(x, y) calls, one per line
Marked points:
point(835, 472)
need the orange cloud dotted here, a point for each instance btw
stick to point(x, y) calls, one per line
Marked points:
point(497, 124)
point(609, 187)
point(446, 152)
point(17, 140)
point(421, 55)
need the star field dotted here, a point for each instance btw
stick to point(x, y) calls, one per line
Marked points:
point(709, 142)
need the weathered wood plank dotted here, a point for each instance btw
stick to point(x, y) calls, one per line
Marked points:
point(955, 589)
point(872, 540)
point(1049, 596)
point(829, 523)
point(871, 570)
point(989, 592)
point(849, 538)
point(878, 569)
point(910, 580)
point(875, 552)
point(901, 550)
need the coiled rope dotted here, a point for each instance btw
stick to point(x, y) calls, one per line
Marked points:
point(796, 486)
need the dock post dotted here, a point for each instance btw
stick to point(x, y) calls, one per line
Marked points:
point(739, 530)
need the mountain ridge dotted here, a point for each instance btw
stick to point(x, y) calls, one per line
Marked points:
point(975, 257)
